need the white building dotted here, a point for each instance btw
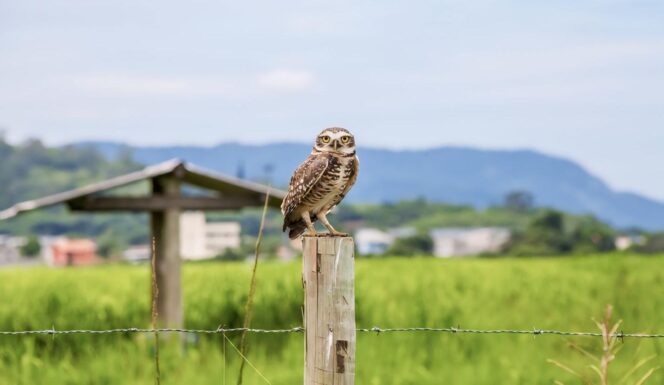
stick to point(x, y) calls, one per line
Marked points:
point(372, 241)
point(47, 242)
point(137, 253)
point(376, 241)
point(10, 249)
point(200, 239)
point(452, 242)
point(624, 242)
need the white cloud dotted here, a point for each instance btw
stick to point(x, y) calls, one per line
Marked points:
point(286, 80)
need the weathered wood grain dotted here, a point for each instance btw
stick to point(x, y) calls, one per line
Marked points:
point(329, 280)
point(166, 232)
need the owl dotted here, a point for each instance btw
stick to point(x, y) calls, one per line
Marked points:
point(320, 183)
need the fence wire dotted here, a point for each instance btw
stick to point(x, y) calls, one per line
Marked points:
point(299, 329)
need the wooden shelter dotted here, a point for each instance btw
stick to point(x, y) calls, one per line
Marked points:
point(164, 203)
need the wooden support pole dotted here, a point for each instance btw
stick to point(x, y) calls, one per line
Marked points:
point(329, 310)
point(166, 232)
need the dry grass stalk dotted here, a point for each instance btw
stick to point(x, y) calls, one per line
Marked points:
point(155, 297)
point(252, 290)
point(600, 363)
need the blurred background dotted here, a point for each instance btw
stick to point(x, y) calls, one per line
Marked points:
point(515, 143)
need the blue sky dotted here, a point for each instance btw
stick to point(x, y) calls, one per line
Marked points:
point(581, 79)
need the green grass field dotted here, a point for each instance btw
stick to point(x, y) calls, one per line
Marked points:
point(552, 293)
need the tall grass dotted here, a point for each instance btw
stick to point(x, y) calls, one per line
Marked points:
point(594, 368)
point(547, 293)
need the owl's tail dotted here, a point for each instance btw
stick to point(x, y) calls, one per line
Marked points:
point(296, 229)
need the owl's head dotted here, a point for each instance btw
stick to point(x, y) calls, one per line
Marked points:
point(335, 139)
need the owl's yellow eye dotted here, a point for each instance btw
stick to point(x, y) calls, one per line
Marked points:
point(325, 139)
point(345, 139)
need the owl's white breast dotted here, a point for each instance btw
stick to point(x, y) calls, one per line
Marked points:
point(338, 184)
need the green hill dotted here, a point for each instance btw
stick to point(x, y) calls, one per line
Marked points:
point(31, 170)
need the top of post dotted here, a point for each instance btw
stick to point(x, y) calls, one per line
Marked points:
point(328, 244)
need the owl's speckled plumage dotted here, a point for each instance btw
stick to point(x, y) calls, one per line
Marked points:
point(320, 182)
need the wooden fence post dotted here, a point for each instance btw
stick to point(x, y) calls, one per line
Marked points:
point(166, 232)
point(328, 276)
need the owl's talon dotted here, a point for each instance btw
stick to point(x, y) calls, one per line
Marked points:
point(337, 234)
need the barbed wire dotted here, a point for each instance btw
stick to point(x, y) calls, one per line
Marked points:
point(150, 330)
point(510, 331)
point(299, 329)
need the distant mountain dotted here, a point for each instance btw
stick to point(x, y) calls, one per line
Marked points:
point(450, 174)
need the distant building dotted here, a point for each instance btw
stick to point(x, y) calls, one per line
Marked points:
point(624, 242)
point(10, 250)
point(372, 241)
point(200, 239)
point(402, 232)
point(46, 243)
point(220, 236)
point(73, 252)
point(375, 241)
point(137, 253)
point(10, 247)
point(452, 242)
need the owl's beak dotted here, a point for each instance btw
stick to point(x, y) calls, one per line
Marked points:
point(336, 142)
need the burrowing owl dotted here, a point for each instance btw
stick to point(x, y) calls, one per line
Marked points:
point(320, 182)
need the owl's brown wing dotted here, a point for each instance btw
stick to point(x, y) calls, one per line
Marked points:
point(303, 180)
